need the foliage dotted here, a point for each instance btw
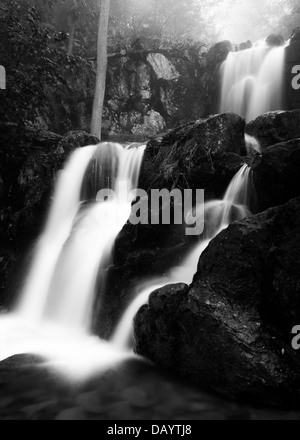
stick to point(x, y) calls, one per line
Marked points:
point(37, 68)
point(159, 24)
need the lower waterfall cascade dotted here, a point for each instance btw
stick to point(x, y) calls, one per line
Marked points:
point(54, 313)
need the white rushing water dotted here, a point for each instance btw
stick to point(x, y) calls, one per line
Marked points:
point(54, 314)
point(252, 145)
point(53, 317)
point(218, 215)
point(252, 81)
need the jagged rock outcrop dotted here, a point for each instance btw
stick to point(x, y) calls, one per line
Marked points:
point(189, 157)
point(230, 331)
point(142, 84)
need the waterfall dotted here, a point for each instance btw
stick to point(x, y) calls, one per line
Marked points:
point(73, 254)
point(252, 81)
point(58, 228)
point(252, 145)
point(218, 215)
point(54, 314)
point(78, 240)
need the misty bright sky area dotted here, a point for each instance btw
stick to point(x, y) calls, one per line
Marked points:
point(250, 19)
point(215, 20)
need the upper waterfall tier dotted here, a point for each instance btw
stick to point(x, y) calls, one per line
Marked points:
point(252, 81)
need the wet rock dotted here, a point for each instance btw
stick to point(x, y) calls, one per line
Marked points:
point(246, 45)
point(218, 53)
point(274, 40)
point(276, 175)
point(90, 402)
point(71, 414)
point(230, 330)
point(152, 125)
point(275, 127)
point(185, 157)
point(76, 139)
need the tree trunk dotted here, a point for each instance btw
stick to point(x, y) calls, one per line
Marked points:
point(101, 69)
point(71, 37)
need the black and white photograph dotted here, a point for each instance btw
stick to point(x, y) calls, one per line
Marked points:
point(149, 213)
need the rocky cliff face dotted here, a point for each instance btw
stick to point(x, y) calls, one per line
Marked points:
point(146, 94)
point(149, 92)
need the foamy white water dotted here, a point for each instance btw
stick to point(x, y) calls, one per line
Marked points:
point(53, 318)
point(252, 81)
point(252, 144)
point(218, 215)
point(58, 228)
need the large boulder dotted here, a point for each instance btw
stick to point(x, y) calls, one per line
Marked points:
point(275, 127)
point(274, 40)
point(162, 67)
point(276, 176)
point(219, 52)
point(187, 157)
point(230, 331)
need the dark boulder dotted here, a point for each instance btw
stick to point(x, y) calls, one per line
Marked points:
point(230, 331)
point(186, 157)
point(275, 127)
point(219, 52)
point(274, 40)
point(276, 176)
